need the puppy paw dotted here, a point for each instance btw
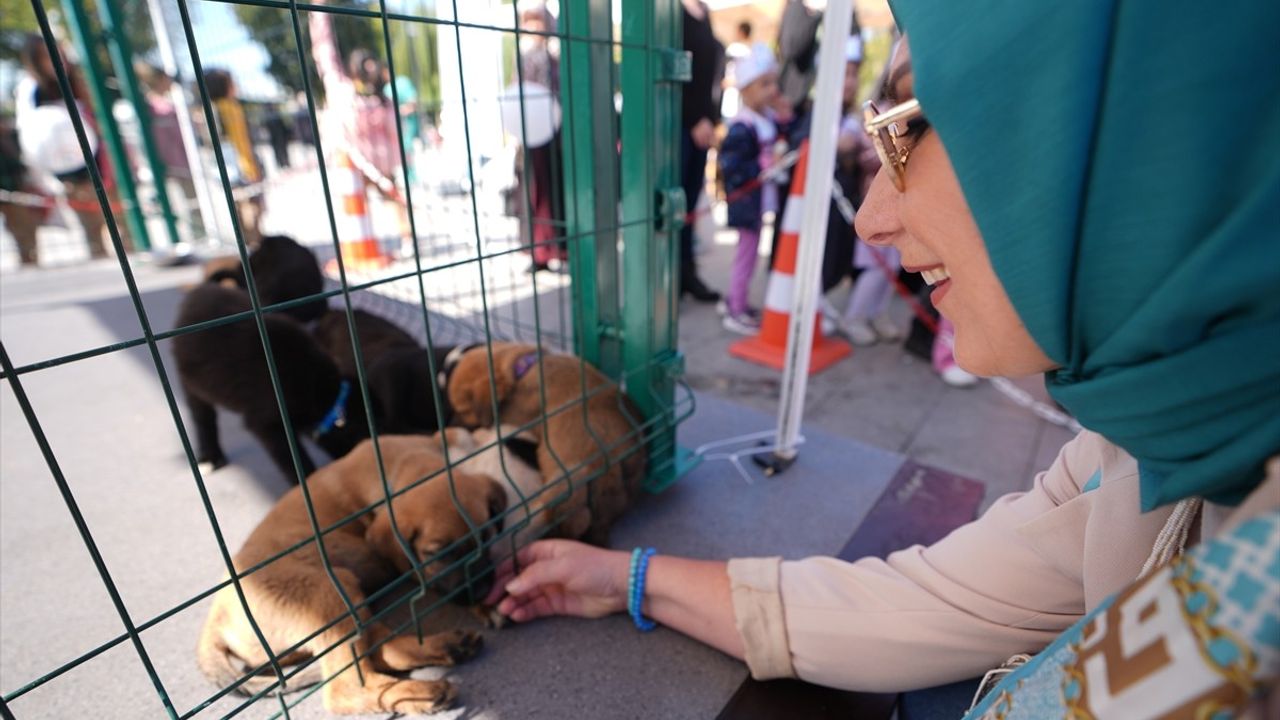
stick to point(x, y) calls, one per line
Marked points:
point(209, 464)
point(489, 617)
point(416, 697)
point(462, 645)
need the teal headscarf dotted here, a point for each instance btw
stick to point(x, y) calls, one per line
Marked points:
point(1122, 160)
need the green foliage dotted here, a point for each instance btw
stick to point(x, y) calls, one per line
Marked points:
point(17, 18)
point(273, 29)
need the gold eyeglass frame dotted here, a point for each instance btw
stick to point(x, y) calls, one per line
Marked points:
point(886, 129)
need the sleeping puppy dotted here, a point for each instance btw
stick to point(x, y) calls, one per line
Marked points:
point(513, 464)
point(225, 366)
point(282, 269)
point(397, 370)
point(293, 597)
point(604, 445)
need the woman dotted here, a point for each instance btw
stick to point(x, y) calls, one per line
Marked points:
point(1063, 186)
point(49, 143)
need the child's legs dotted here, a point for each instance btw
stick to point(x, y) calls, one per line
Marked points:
point(744, 265)
point(870, 295)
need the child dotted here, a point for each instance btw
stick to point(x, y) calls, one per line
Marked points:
point(747, 151)
point(866, 320)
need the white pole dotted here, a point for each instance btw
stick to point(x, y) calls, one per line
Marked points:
point(836, 23)
point(164, 45)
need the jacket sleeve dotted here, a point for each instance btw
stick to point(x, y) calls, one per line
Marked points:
point(738, 157)
point(924, 615)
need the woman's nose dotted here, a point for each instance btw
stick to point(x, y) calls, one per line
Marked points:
point(877, 219)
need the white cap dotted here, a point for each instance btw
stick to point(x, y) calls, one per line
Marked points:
point(748, 68)
point(853, 49)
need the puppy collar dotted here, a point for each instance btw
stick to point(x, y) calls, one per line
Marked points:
point(337, 416)
point(450, 362)
point(525, 362)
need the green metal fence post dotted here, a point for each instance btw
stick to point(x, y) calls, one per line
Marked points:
point(121, 51)
point(652, 65)
point(591, 188)
point(82, 31)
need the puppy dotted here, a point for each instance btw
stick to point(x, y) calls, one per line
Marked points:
point(604, 446)
point(225, 366)
point(282, 270)
point(293, 596)
point(397, 370)
point(513, 464)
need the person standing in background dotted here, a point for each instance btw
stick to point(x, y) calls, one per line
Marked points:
point(168, 135)
point(746, 152)
point(49, 142)
point(699, 113)
point(243, 168)
point(540, 65)
point(798, 53)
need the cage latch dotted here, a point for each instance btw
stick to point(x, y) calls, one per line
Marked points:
point(670, 208)
point(676, 66)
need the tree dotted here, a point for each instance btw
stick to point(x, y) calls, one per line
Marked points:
point(272, 28)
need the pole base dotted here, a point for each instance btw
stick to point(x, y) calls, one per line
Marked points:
point(773, 463)
point(826, 352)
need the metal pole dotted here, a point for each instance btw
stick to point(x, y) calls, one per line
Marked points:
point(186, 125)
point(82, 31)
point(813, 224)
point(121, 51)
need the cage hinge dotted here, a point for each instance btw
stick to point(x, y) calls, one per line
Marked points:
point(670, 209)
point(676, 66)
point(671, 364)
point(609, 331)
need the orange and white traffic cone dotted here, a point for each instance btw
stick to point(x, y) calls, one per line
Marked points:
point(769, 347)
point(360, 249)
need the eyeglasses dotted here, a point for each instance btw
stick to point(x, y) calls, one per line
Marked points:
point(890, 130)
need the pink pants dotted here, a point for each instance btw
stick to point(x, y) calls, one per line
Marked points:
point(744, 266)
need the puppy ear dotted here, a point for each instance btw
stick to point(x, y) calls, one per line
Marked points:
point(382, 539)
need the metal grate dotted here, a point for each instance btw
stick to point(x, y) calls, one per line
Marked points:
point(616, 308)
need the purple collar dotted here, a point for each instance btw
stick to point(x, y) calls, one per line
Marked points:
point(525, 362)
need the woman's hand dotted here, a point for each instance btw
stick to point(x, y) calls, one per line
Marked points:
point(562, 577)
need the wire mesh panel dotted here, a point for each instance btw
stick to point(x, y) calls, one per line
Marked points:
point(511, 279)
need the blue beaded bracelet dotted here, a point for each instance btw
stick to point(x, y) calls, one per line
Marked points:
point(635, 587)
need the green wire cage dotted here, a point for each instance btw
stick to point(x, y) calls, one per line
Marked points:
point(458, 280)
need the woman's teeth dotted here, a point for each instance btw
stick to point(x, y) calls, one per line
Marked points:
point(935, 275)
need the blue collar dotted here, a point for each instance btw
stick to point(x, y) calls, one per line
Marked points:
point(525, 363)
point(337, 416)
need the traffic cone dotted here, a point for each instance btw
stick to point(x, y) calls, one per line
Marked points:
point(360, 249)
point(769, 347)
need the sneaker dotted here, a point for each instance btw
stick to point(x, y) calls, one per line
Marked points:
point(828, 325)
point(958, 377)
point(860, 332)
point(830, 317)
point(885, 329)
point(722, 307)
point(743, 323)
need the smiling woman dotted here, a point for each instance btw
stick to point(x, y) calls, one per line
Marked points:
point(1057, 172)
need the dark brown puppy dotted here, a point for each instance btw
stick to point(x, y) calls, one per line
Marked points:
point(604, 445)
point(282, 270)
point(225, 366)
point(397, 369)
point(293, 597)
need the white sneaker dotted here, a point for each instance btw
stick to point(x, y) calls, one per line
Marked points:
point(722, 307)
point(958, 377)
point(830, 317)
point(860, 332)
point(885, 329)
point(742, 323)
point(828, 325)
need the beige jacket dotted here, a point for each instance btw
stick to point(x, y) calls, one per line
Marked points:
point(1006, 583)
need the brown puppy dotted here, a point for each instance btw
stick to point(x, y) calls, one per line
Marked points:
point(603, 443)
point(293, 597)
